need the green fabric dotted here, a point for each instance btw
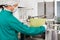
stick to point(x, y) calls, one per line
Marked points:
point(10, 26)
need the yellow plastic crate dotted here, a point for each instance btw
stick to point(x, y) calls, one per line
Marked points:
point(35, 22)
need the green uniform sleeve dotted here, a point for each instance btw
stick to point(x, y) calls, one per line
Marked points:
point(21, 27)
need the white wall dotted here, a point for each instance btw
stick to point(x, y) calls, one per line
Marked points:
point(30, 4)
point(33, 4)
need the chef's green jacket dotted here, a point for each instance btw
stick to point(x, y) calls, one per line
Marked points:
point(10, 26)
